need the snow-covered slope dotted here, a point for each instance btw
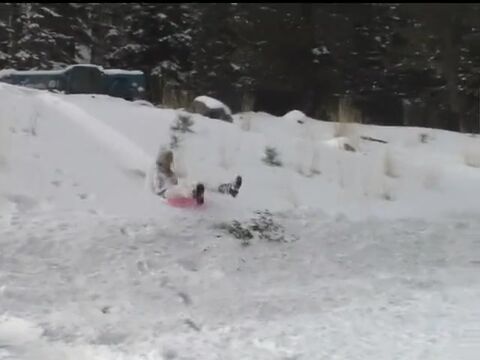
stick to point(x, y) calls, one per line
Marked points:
point(97, 140)
point(379, 255)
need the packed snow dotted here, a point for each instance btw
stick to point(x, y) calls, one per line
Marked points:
point(369, 254)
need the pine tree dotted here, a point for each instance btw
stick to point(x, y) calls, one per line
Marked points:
point(158, 39)
point(40, 42)
point(75, 26)
point(7, 14)
point(213, 47)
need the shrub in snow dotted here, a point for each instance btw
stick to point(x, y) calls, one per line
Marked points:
point(423, 138)
point(272, 157)
point(263, 226)
point(348, 117)
point(345, 130)
point(375, 183)
point(291, 195)
point(192, 325)
point(245, 122)
point(306, 157)
point(183, 123)
point(238, 231)
point(390, 168)
point(387, 195)
point(180, 162)
point(386, 192)
point(266, 228)
point(4, 142)
point(32, 130)
point(226, 156)
point(315, 162)
point(174, 141)
point(471, 155)
point(348, 112)
point(431, 179)
point(212, 108)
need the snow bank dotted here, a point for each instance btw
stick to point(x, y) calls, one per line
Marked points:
point(295, 116)
point(122, 72)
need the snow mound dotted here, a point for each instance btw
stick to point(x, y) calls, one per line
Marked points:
point(295, 116)
point(212, 103)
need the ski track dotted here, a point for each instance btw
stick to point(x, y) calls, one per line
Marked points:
point(344, 289)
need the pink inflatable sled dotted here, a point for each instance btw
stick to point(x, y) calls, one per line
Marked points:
point(183, 202)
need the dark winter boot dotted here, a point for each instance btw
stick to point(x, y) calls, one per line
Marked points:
point(198, 193)
point(231, 188)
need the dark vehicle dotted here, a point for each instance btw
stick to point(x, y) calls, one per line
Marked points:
point(82, 79)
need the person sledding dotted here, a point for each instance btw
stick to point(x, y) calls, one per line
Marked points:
point(165, 183)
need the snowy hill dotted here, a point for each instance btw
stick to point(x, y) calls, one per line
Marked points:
point(377, 254)
point(111, 138)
